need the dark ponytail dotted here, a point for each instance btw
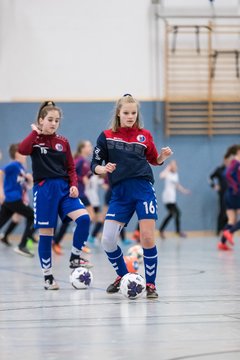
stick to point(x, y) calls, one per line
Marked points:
point(45, 107)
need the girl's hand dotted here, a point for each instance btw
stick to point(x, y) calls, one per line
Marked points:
point(164, 154)
point(110, 167)
point(35, 128)
point(73, 192)
point(104, 169)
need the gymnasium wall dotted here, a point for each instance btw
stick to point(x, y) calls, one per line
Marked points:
point(197, 156)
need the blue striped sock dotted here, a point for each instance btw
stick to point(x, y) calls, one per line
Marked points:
point(80, 235)
point(117, 261)
point(45, 253)
point(150, 263)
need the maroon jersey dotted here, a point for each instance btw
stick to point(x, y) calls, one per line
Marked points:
point(82, 169)
point(51, 157)
point(132, 149)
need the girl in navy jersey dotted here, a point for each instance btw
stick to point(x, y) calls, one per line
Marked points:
point(124, 152)
point(55, 189)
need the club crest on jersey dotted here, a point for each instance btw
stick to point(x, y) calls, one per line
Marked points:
point(59, 147)
point(141, 138)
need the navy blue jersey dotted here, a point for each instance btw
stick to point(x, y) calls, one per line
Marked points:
point(233, 177)
point(132, 149)
point(14, 181)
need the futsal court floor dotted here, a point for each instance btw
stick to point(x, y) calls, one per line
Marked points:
point(197, 315)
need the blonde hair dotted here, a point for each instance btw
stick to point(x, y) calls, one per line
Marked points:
point(80, 146)
point(125, 99)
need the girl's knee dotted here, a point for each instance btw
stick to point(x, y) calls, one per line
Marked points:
point(147, 237)
point(83, 220)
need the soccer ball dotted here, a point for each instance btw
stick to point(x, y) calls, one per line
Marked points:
point(136, 251)
point(81, 278)
point(131, 263)
point(132, 286)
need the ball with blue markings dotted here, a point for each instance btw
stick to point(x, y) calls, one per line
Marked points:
point(132, 286)
point(81, 278)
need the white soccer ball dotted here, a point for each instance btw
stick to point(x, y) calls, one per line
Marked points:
point(136, 251)
point(81, 278)
point(132, 286)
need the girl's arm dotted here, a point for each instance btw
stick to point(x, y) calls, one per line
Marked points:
point(163, 174)
point(182, 189)
point(25, 147)
point(152, 154)
point(29, 180)
point(71, 168)
point(100, 155)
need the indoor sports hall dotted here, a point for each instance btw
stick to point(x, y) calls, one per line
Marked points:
point(181, 61)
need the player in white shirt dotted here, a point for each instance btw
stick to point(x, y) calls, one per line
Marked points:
point(169, 197)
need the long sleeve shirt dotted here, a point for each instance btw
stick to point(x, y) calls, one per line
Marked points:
point(233, 177)
point(132, 149)
point(51, 157)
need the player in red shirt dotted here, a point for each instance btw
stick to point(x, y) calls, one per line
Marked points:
point(55, 189)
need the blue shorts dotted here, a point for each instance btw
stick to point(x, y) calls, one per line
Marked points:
point(50, 199)
point(232, 201)
point(132, 195)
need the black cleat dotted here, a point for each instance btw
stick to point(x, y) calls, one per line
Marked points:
point(151, 291)
point(114, 288)
point(80, 262)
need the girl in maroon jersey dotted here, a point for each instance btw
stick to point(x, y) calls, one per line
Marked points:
point(55, 189)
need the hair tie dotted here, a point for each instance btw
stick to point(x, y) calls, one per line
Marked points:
point(48, 103)
point(127, 95)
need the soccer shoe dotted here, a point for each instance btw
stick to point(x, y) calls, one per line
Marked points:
point(229, 236)
point(57, 249)
point(34, 240)
point(50, 285)
point(151, 291)
point(23, 251)
point(182, 234)
point(4, 240)
point(114, 287)
point(80, 262)
point(223, 247)
point(29, 245)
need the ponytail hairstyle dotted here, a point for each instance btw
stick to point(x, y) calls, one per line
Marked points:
point(125, 99)
point(45, 107)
